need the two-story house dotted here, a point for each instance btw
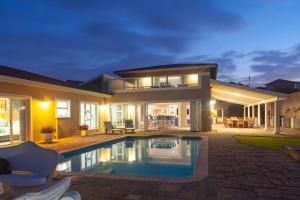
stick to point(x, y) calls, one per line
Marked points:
point(168, 96)
point(178, 96)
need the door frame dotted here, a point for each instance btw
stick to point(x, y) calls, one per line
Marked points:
point(28, 118)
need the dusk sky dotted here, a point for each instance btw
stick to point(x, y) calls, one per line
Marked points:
point(78, 39)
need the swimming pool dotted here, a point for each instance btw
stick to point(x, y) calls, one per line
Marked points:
point(161, 156)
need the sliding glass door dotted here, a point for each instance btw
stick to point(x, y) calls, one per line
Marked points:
point(13, 120)
point(4, 120)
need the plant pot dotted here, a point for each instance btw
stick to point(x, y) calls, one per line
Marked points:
point(83, 132)
point(48, 137)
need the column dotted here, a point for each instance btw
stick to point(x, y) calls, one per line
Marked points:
point(249, 112)
point(253, 111)
point(145, 108)
point(266, 116)
point(258, 116)
point(222, 115)
point(276, 118)
point(136, 116)
point(195, 114)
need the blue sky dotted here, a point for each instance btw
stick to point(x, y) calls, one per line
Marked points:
point(77, 39)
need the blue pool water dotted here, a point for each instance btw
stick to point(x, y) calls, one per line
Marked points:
point(151, 156)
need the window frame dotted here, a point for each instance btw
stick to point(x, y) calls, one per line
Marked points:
point(96, 118)
point(69, 108)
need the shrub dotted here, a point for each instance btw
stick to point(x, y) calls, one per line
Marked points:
point(48, 129)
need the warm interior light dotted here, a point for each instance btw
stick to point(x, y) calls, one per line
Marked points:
point(147, 81)
point(193, 79)
point(104, 108)
point(213, 111)
point(44, 104)
point(130, 111)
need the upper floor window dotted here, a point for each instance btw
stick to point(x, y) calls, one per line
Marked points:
point(145, 82)
point(63, 108)
point(297, 86)
point(160, 81)
point(190, 79)
point(174, 81)
point(130, 83)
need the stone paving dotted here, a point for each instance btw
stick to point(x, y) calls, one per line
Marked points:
point(236, 171)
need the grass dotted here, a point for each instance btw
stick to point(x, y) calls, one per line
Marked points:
point(274, 143)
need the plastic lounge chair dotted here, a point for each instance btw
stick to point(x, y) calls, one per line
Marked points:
point(55, 192)
point(32, 167)
point(129, 125)
point(109, 127)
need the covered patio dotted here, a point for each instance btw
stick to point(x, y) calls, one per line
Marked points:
point(253, 101)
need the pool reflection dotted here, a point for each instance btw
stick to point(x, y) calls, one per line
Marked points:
point(150, 156)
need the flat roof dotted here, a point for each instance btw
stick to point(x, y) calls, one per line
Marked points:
point(211, 67)
point(243, 95)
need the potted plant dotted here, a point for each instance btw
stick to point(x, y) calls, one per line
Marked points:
point(83, 129)
point(48, 131)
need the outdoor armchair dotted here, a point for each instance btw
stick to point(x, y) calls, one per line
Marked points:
point(32, 167)
point(109, 127)
point(129, 125)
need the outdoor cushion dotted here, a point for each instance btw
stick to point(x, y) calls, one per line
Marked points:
point(4, 166)
point(23, 179)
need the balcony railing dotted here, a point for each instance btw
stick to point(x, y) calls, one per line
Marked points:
point(135, 84)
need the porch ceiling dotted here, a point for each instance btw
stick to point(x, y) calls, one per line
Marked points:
point(243, 95)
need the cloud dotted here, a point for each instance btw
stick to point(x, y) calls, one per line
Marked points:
point(52, 37)
point(274, 64)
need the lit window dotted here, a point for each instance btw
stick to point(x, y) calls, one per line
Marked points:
point(160, 81)
point(63, 108)
point(190, 79)
point(174, 81)
point(88, 115)
point(145, 82)
point(120, 112)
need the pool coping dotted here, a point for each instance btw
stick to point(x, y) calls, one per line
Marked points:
point(200, 171)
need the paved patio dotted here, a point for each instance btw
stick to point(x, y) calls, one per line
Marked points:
point(236, 171)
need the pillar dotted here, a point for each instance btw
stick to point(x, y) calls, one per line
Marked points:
point(249, 112)
point(136, 116)
point(258, 116)
point(195, 115)
point(145, 108)
point(222, 116)
point(276, 118)
point(253, 111)
point(266, 116)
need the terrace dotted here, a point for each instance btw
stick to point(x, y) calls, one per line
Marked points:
point(236, 171)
